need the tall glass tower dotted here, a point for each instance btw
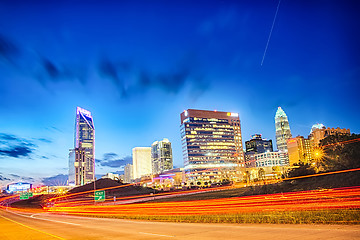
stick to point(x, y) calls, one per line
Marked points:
point(282, 127)
point(161, 156)
point(85, 139)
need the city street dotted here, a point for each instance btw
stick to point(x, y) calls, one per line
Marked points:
point(18, 225)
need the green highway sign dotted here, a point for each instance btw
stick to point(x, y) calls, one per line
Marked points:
point(25, 195)
point(99, 196)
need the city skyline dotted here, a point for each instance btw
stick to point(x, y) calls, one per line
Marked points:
point(181, 56)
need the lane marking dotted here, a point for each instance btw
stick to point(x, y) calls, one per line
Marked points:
point(154, 234)
point(33, 228)
point(32, 216)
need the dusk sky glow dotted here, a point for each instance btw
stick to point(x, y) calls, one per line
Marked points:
point(136, 65)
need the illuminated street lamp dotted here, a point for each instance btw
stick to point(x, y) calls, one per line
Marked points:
point(318, 154)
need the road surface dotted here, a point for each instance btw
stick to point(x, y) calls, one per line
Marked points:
point(18, 225)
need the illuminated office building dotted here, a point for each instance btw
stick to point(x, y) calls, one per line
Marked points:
point(161, 156)
point(141, 162)
point(282, 128)
point(254, 146)
point(271, 159)
point(212, 146)
point(258, 145)
point(85, 140)
point(300, 149)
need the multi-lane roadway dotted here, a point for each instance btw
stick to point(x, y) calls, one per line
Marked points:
point(20, 225)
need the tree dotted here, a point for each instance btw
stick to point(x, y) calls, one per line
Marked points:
point(341, 152)
point(302, 169)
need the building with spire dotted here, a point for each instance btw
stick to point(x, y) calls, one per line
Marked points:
point(282, 128)
point(84, 147)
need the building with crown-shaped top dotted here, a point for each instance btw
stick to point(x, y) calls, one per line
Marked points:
point(84, 147)
point(282, 128)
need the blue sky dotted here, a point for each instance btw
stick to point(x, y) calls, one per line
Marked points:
point(137, 64)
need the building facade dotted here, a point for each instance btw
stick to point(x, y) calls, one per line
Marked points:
point(161, 156)
point(112, 176)
point(319, 133)
point(254, 146)
point(80, 165)
point(128, 173)
point(141, 162)
point(212, 146)
point(85, 138)
point(282, 128)
point(300, 149)
point(271, 159)
point(71, 178)
point(258, 145)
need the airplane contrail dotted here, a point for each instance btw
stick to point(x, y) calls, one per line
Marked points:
point(272, 27)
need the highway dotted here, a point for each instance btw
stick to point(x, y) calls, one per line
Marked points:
point(20, 225)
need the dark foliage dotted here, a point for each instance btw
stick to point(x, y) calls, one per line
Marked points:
point(302, 169)
point(341, 152)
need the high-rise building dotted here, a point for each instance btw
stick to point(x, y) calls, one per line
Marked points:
point(258, 145)
point(282, 127)
point(161, 156)
point(254, 146)
point(212, 146)
point(71, 178)
point(85, 138)
point(80, 165)
point(141, 161)
point(128, 173)
point(300, 149)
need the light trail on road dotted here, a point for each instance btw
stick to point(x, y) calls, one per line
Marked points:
point(56, 226)
point(305, 200)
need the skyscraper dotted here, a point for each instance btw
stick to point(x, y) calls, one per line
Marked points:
point(85, 139)
point(141, 162)
point(282, 128)
point(254, 146)
point(212, 146)
point(258, 145)
point(161, 156)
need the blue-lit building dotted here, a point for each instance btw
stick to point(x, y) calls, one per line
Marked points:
point(84, 147)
